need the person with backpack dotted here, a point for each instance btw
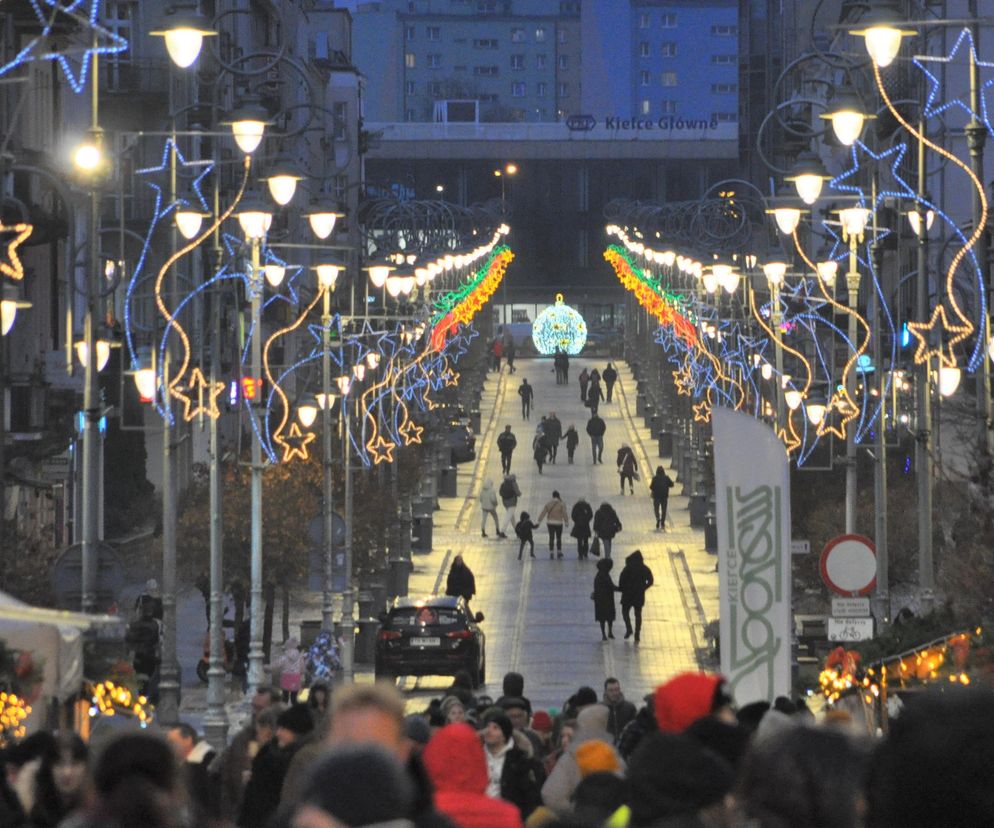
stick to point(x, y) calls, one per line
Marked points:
point(581, 516)
point(506, 443)
point(524, 531)
point(527, 394)
point(633, 582)
point(610, 377)
point(660, 488)
point(606, 526)
point(627, 467)
point(509, 494)
point(595, 429)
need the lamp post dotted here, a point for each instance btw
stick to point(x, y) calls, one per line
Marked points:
point(325, 401)
point(348, 594)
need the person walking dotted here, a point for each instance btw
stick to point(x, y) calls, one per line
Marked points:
point(594, 396)
point(556, 516)
point(610, 377)
point(509, 494)
point(527, 394)
point(581, 516)
point(565, 365)
point(627, 467)
point(290, 666)
point(524, 531)
point(557, 364)
point(584, 379)
point(572, 440)
point(553, 434)
point(506, 443)
point(460, 581)
point(488, 507)
point(633, 581)
point(595, 429)
point(595, 375)
point(606, 526)
point(509, 354)
point(497, 349)
point(540, 452)
point(603, 596)
point(660, 488)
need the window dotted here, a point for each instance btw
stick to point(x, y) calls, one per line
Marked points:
point(517, 35)
point(564, 61)
point(724, 31)
point(518, 89)
point(725, 117)
point(644, 20)
point(487, 97)
point(434, 89)
point(644, 77)
point(118, 18)
point(644, 49)
point(485, 43)
point(723, 60)
point(540, 61)
point(339, 186)
point(668, 49)
point(668, 79)
point(667, 107)
point(412, 89)
point(340, 109)
point(458, 68)
point(517, 62)
point(562, 36)
point(409, 32)
point(434, 33)
point(410, 115)
point(486, 71)
point(434, 61)
point(645, 108)
point(409, 60)
point(724, 88)
point(563, 90)
point(541, 89)
point(668, 21)
point(540, 35)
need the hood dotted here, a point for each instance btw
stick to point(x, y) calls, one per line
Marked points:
point(454, 760)
point(634, 558)
point(591, 722)
point(514, 684)
point(685, 699)
point(291, 644)
point(605, 564)
point(488, 484)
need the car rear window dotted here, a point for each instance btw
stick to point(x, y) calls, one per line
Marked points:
point(425, 616)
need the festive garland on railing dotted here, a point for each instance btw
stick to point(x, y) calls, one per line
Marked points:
point(666, 307)
point(458, 307)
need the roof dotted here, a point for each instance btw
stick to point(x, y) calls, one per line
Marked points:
point(407, 601)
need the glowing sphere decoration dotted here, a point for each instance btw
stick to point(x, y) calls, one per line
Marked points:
point(559, 328)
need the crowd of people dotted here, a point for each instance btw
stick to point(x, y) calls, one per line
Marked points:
point(685, 757)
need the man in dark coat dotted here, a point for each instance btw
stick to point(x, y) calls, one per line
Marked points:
point(595, 429)
point(584, 381)
point(506, 443)
point(527, 394)
point(634, 580)
point(594, 396)
point(603, 596)
point(610, 377)
point(660, 488)
point(461, 580)
point(195, 755)
point(572, 441)
point(581, 515)
point(607, 524)
point(520, 776)
point(553, 434)
point(622, 710)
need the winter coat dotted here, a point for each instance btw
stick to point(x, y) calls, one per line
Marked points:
point(457, 769)
point(541, 452)
point(660, 486)
point(522, 776)
point(604, 590)
point(581, 515)
point(509, 491)
point(553, 430)
point(626, 460)
point(610, 376)
point(460, 582)
point(506, 442)
point(498, 348)
point(594, 392)
point(525, 392)
point(620, 714)
point(262, 793)
point(584, 378)
point(290, 666)
point(488, 497)
point(524, 528)
point(554, 512)
point(634, 580)
point(572, 438)
point(595, 375)
point(606, 523)
point(633, 732)
point(596, 426)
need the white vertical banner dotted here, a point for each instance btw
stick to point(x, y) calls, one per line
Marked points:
point(752, 487)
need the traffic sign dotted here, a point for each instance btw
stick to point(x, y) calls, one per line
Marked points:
point(850, 629)
point(850, 607)
point(849, 565)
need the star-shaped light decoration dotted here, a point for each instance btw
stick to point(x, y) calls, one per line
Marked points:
point(13, 267)
point(411, 432)
point(788, 435)
point(296, 443)
point(838, 414)
point(205, 392)
point(949, 335)
point(381, 450)
point(937, 103)
point(702, 412)
point(451, 379)
point(683, 381)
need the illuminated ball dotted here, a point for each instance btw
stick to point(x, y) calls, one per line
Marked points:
point(559, 328)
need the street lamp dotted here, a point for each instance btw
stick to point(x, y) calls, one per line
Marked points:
point(808, 175)
point(378, 274)
point(880, 32)
point(9, 305)
point(101, 346)
point(847, 114)
point(248, 123)
point(282, 180)
point(184, 34)
point(275, 273)
point(189, 221)
point(322, 215)
point(949, 379)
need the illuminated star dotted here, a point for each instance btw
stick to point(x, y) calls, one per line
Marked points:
point(921, 331)
point(451, 379)
point(382, 450)
point(200, 387)
point(295, 443)
point(936, 102)
point(789, 437)
point(14, 269)
point(411, 432)
point(846, 410)
point(702, 412)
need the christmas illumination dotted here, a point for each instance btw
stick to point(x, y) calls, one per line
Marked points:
point(559, 328)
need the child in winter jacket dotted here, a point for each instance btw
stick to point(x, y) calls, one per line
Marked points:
point(524, 532)
point(291, 666)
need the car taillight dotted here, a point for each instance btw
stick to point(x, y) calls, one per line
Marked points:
point(387, 635)
point(459, 634)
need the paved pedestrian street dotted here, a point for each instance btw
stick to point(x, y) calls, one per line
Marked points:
point(539, 615)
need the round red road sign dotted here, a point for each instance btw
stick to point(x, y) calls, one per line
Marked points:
point(849, 565)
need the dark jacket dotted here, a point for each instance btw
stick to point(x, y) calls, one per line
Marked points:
point(618, 716)
point(606, 523)
point(594, 392)
point(595, 375)
point(541, 452)
point(581, 516)
point(584, 378)
point(521, 781)
point(262, 793)
point(506, 442)
point(626, 460)
point(460, 582)
point(604, 590)
point(553, 430)
point(610, 376)
point(634, 580)
point(525, 391)
point(524, 529)
point(660, 486)
point(633, 732)
point(509, 492)
point(596, 426)
point(572, 438)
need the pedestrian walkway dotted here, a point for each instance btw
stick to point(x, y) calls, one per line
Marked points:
point(539, 616)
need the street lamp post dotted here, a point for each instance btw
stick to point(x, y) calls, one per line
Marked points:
point(327, 508)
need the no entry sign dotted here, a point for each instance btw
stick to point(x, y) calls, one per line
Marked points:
point(849, 565)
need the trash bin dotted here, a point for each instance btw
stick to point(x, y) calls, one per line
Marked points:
point(698, 511)
point(421, 529)
point(665, 444)
point(447, 482)
point(655, 422)
point(365, 601)
point(400, 570)
point(639, 405)
point(474, 419)
point(365, 640)
point(648, 413)
point(308, 633)
point(710, 533)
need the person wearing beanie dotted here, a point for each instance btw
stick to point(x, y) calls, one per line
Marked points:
point(672, 777)
point(457, 769)
point(417, 731)
point(512, 772)
point(596, 757)
point(557, 792)
point(541, 721)
point(513, 686)
point(684, 699)
point(517, 712)
point(357, 786)
point(452, 710)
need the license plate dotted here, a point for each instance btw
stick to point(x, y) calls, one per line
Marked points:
point(426, 642)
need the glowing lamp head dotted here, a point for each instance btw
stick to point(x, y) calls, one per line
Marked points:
point(827, 271)
point(406, 285)
point(787, 219)
point(322, 216)
point(378, 274)
point(10, 302)
point(710, 281)
point(854, 221)
point(274, 274)
point(88, 156)
point(248, 124)
point(420, 276)
point(359, 371)
point(668, 258)
point(731, 281)
point(189, 222)
point(307, 411)
point(808, 175)
point(254, 218)
point(102, 347)
point(815, 412)
point(915, 220)
point(766, 372)
point(394, 285)
point(328, 275)
point(793, 398)
point(282, 180)
point(184, 32)
point(373, 360)
point(143, 374)
point(324, 400)
point(881, 32)
point(448, 260)
point(775, 271)
point(344, 383)
point(949, 379)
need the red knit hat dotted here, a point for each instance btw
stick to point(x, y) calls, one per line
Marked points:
point(541, 722)
point(683, 700)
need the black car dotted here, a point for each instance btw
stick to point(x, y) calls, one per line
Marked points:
point(430, 636)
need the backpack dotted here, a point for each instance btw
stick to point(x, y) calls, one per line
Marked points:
point(506, 490)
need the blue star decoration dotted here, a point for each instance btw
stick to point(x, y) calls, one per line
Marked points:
point(893, 155)
point(82, 20)
point(935, 103)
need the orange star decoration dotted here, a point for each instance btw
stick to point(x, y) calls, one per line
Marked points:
point(921, 331)
point(788, 435)
point(410, 432)
point(14, 269)
point(702, 412)
point(846, 410)
point(295, 443)
point(452, 379)
point(382, 450)
point(206, 394)
point(683, 381)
